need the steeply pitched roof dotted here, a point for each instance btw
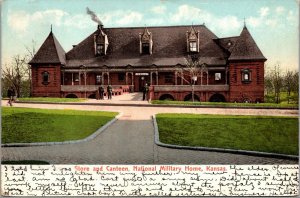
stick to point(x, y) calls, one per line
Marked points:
point(245, 48)
point(169, 47)
point(50, 52)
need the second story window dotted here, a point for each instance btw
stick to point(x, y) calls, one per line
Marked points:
point(145, 48)
point(169, 78)
point(218, 76)
point(100, 49)
point(45, 78)
point(246, 76)
point(193, 46)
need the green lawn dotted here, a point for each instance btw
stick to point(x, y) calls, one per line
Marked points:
point(224, 104)
point(21, 125)
point(254, 133)
point(46, 99)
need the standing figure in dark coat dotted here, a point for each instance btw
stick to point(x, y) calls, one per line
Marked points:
point(145, 92)
point(10, 95)
point(101, 92)
point(109, 92)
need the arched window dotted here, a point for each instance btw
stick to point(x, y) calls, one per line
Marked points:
point(46, 77)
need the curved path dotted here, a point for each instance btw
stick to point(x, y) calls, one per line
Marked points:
point(130, 140)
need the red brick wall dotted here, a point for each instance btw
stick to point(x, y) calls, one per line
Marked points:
point(252, 91)
point(50, 90)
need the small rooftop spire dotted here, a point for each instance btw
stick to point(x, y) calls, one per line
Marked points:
point(244, 22)
point(51, 28)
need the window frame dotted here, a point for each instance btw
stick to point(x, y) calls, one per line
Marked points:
point(45, 77)
point(246, 72)
point(100, 49)
point(169, 78)
point(218, 76)
point(145, 48)
point(193, 46)
point(121, 77)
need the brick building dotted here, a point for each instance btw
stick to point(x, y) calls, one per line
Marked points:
point(232, 68)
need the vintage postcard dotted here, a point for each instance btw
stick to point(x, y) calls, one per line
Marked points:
point(149, 98)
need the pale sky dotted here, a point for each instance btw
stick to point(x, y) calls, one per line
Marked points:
point(272, 23)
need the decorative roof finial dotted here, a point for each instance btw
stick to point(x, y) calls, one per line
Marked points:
point(244, 22)
point(51, 28)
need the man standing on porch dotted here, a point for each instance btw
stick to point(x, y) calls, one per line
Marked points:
point(109, 92)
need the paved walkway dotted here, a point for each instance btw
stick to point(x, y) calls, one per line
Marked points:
point(130, 140)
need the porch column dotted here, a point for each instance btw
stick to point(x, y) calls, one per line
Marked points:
point(156, 77)
point(181, 77)
point(79, 75)
point(102, 78)
point(151, 78)
point(132, 76)
point(226, 73)
point(207, 77)
point(126, 78)
point(175, 75)
point(72, 79)
point(108, 78)
point(63, 78)
point(201, 77)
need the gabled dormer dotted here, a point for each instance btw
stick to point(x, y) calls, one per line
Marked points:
point(146, 42)
point(100, 42)
point(192, 40)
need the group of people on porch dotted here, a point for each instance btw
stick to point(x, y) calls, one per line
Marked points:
point(109, 92)
point(100, 93)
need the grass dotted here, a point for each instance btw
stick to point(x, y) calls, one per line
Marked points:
point(254, 133)
point(25, 125)
point(26, 162)
point(224, 104)
point(46, 99)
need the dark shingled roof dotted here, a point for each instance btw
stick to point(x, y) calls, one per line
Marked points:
point(50, 52)
point(169, 48)
point(245, 48)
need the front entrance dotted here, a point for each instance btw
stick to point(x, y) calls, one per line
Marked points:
point(140, 79)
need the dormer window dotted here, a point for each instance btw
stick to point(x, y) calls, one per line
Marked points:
point(145, 48)
point(100, 49)
point(101, 43)
point(192, 39)
point(193, 46)
point(146, 42)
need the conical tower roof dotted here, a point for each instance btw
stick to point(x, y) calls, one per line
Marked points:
point(245, 48)
point(50, 52)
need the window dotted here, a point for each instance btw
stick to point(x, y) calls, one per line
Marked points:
point(76, 77)
point(45, 78)
point(246, 76)
point(193, 46)
point(98, 79)
point(169, 78)
point(218, 76)
point(100, 49)
point(121, 76)
point(145, 48)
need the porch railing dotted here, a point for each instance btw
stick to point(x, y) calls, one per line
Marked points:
point(180, 88)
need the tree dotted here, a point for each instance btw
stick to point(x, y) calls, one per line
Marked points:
point(191, 71)
point(277, 82)
point(14, 73)
point(268, 82)
point(288, 83)
point(29, 56)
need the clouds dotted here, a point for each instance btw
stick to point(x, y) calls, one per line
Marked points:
point(277, 17)
point(158, 9)
point(20, 21)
